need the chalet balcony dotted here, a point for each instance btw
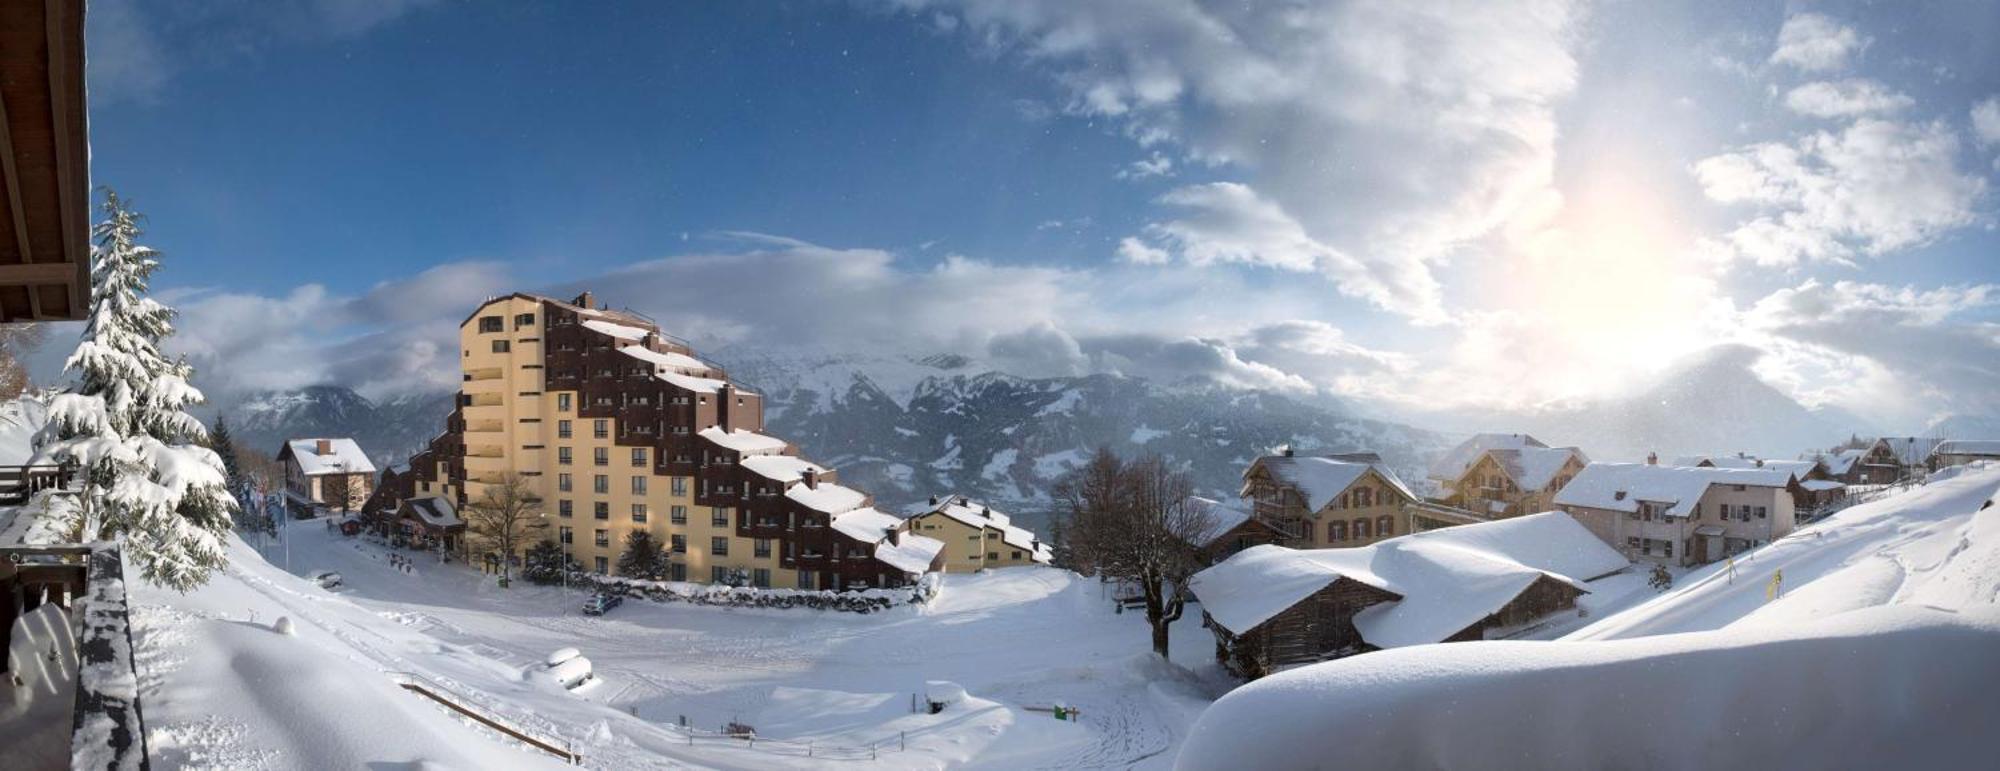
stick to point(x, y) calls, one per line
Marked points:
point(485, 413)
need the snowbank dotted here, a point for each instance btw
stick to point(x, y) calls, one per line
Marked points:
point(864, 601)
point(1862, 690)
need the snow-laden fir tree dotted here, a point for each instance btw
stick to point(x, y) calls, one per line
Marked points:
point(142, 472)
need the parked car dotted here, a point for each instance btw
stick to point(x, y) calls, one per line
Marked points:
point(327, 579)
point(599, 603)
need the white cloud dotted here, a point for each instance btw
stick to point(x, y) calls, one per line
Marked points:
point(1872, 188)
point(1815, 43)
point(137, 48)
point(1156, 165)
point(1986, 121)
point(1909, 352)
point(1135, 251)
point(1228, 222)
point(1845, 98)
point(1400, 131)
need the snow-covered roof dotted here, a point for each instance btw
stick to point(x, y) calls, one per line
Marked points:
point(975, 514)
point(1839, 463)
point(1224, 517)
point(1319, 479)
point(1910, 450)
point(619, 331)
point(1621, 486)
point(1982, 447)
point(867, 524)
point(435, 511)
point(909, 552)
point(1445, 580)
point(745, 442)
point(666, 360)
point(827, 497)
point(343, 457)
point(781, 468)
point(1454, 463)
point(1821, 485)
point(1797, 468)
point(1532, 468)
point(700, 385)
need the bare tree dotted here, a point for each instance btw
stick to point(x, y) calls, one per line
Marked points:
point(1137, 521)
point(17, 342)
point(506, 515)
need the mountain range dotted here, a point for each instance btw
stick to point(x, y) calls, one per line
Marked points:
point(906, 429)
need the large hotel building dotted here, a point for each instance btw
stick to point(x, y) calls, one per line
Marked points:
point(617, 427)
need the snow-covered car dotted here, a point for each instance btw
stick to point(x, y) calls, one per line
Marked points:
point(599, 603)
point(327, 579)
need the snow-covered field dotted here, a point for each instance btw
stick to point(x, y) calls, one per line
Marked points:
point(1880, 648)
point(222, 689)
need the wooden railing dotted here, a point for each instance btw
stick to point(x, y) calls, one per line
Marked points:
point(19, 483)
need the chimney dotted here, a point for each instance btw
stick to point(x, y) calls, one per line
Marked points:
point(964, 501)
point(810, 478)
point(933, 500)
point(323, 446)
point(722, 407)
point(1652, 459)
point(584, 300)
point(1760, 463)
point(1288, 451)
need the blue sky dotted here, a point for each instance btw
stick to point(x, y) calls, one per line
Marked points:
point(1408, 206)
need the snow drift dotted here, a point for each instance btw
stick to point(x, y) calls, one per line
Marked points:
point(1887, 687)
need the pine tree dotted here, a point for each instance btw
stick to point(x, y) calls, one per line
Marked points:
point(643, 557)
point(123, 426)
point(542, 564)
point(225, 448)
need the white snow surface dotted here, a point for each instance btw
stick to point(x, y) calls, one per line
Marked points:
point(344, 457)
point(620, 331)
point(1455, 462)
point(827, 497)
point(665, 360)
point(1320, 479)
point(781, 468)
point(1879, 649)
point(223, 690)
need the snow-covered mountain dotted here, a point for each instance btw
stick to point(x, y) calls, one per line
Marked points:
point(906, 429)
point(390, 431)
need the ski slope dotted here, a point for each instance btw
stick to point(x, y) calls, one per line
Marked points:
point(221, 689)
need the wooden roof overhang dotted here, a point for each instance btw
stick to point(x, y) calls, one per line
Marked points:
point(44, 162)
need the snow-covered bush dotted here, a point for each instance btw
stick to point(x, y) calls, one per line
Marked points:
point(142, 473)
point(863, 601)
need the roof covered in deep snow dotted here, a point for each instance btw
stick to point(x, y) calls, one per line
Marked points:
point(1446, 579)
point(976, 514)
point(745, 442)
point(343, 456)
point(1621, 486)
point(1455, 462)
point(1320, 479)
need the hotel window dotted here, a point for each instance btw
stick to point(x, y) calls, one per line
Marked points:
point(562, 429)
point(603, 565)
point(679, 543)
point(805, 579)
point(678, 514)
point(638, 485)
point(638, 512)
point(1360, 528)
point(718, 574)
point(718, 546)
point(566, 534)
point(1017, 554)
point(564, 508)
point(600, 428)
point(638, 456)
point(718, 516)
point(563, 482)
point(600, 510)
point(680, 486)
point(762, 548)
point(993, 555)
point(1336, 531)
point(490, 324)
point(760, 578)
point(1762, 512)
point(500, 346)
point(600, 484)
point(524, 320)
point(678, 572)
point(562, 455)
point(562, 402)
point(600, 456)
point(1385, 526)
point(603, 537)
